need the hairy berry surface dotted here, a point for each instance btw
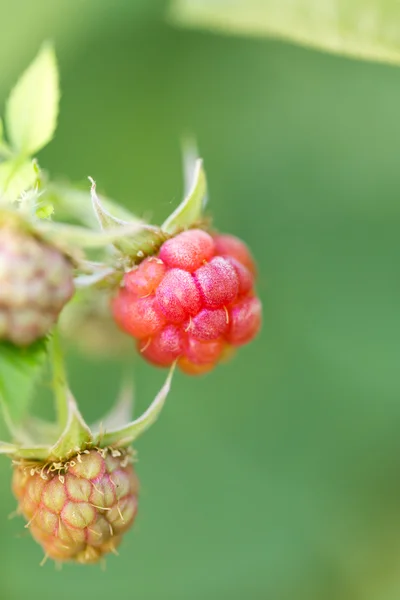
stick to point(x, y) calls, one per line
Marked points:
point(79, 510)
point(192, 303)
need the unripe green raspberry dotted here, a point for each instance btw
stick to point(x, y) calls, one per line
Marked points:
point(36, 281)
point(78, 510)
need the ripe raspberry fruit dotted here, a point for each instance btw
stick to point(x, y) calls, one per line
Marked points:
point(78, 510)
point(192, 302)
point(36, 281)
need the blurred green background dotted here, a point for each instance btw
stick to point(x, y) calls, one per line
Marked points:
point(277, 477)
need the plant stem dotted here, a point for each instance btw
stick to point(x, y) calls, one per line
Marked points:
point(60, 384)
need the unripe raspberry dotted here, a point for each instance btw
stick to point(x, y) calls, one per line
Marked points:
point(36, 281)
point(191, 304)
point(78, 510)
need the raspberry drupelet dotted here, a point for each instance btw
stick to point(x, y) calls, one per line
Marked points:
point(191, 303)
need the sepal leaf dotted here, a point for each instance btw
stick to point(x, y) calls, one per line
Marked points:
point(124, 436)
point(191, 209)
point(7, 448)
point(144, 240)
point(76, 435)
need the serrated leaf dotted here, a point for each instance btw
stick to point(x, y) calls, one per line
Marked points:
point(20, 369)
point(32, 108)
point(191, 209)
point(364, 30)
point(124, 436)
point(76, 435)
point(16, 177)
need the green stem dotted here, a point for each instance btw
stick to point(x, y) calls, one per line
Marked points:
point(60, 384)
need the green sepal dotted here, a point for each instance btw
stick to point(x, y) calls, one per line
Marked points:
point(190, 211)
point(144, 240)
point(7, 448)
point(86, 238)
point(76, 435)
point(74, 203)
point(124, 436)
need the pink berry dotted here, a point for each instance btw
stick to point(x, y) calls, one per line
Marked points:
point(200, 353)
point(208, 324)
point(178, 296)
point(229, 245)
point(188, 250)
point(245, 321)
point(164, 347)
point(146, 278)
point(217, 282)
point(245, 277)
point(194, 303)
point(140, 317)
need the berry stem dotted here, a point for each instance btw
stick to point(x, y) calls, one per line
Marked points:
point(59, 380)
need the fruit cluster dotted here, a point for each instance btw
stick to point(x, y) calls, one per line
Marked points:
point(79, 510)
point(193, 302)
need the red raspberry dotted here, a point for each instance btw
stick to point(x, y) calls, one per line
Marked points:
point(178, 295)
point(229, 245)
point(193, 303)
point(145, 279)
point(188, 250)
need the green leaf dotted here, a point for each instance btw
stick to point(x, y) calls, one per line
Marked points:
point(364, 30)
point(32, 108)
point(191, 209)
point(20, 369)
point(16, 177)
point(76, 435)
point(124, 436)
